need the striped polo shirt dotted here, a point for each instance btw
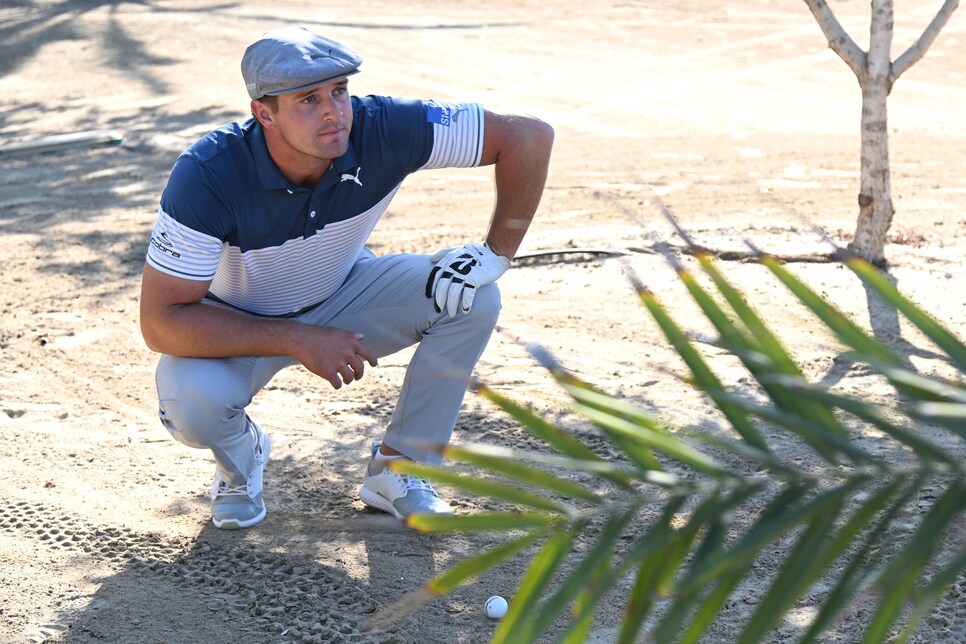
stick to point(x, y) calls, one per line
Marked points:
point(272, 248)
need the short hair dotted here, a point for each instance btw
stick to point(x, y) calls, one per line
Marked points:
point(271, 102)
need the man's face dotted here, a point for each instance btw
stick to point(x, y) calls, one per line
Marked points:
point(315, 122)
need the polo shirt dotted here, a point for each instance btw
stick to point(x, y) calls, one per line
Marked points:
point(272, 248)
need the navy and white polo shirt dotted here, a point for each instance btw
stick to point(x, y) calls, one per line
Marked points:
point(272, 248)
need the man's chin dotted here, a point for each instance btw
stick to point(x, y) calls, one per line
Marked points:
point(330, 149)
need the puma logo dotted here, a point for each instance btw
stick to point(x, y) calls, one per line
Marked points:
point(350, 177)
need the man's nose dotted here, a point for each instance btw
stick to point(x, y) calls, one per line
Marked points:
point(330, 106)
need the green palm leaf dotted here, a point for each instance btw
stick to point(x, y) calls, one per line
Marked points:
point(548, 432)
point(843, 328)
point(516, 626)
point(825, 441)
point(695, 510)
point(763, 342)
point(457, 575)
point(649, 438)
point(919, 387)
point(850, 579)
point(660, 541)
point(503, 462)
point(875, 417)
point(703, 374)
point(949, 415)
point(488, 522)
point(722, 571)
point(900, 577)
point(654, 576)
point(927, 597)
point(480, 486)
point(636, 451)
point(585, 586)
point(945, 340)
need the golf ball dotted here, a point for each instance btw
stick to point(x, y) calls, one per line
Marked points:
point(495, 607)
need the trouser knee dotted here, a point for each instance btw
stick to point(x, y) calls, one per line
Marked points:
point(486, 307)
point(198, 402)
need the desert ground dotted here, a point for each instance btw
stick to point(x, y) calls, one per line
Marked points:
point(734, 115)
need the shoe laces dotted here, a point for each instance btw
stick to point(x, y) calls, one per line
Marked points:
point(417, 483)
point(251, 487)
point(223, 489)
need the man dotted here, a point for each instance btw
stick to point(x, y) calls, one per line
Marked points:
point(258, 262)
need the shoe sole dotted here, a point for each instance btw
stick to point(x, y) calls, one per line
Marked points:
point(234, 524)
point(378, 502)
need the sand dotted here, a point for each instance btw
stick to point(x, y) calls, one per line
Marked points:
point(737, 117)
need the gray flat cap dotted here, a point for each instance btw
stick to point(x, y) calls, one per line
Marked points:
point(292, 58)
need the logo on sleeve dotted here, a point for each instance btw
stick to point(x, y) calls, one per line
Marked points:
point(163, 244)
point(436, 113)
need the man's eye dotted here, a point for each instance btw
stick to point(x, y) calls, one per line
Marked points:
point(340, 91)
point(308, 99)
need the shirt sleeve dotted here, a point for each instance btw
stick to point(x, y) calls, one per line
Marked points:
point(423, 134)
point(187, 239)
point(457, 134)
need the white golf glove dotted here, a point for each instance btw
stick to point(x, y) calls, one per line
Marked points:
point(458, 272)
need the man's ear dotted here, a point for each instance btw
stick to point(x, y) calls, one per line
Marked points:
point(261, 112)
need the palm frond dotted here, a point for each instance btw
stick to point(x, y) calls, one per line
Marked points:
point(681, 519)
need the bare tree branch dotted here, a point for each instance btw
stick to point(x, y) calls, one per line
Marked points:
point(881, 27)
point(838, 40)
point(912, 55)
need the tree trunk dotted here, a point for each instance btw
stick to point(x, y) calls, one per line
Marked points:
point(876, 74)
point(875, 186)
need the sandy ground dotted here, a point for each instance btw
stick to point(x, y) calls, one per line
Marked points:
point(736, 115)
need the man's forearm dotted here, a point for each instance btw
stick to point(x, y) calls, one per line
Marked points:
point(209, 331)
point(520, 177)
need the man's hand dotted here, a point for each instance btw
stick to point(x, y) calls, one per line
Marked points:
point(458, 272)
point(173, 321)
point(338, 356)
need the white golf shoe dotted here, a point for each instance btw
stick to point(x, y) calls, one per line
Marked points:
point(399, 494)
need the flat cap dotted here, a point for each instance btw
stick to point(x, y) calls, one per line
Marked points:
point(289, 59)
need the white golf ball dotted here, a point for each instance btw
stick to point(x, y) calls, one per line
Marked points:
point(495, 607)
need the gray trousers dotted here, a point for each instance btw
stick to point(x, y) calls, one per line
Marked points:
point(202, 400)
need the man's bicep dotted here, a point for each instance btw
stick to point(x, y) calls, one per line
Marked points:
point(162, 295)
point(158, 289)
point(498, 132)
point(513, 133)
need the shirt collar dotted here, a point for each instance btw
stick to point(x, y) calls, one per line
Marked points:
point(268, 174)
